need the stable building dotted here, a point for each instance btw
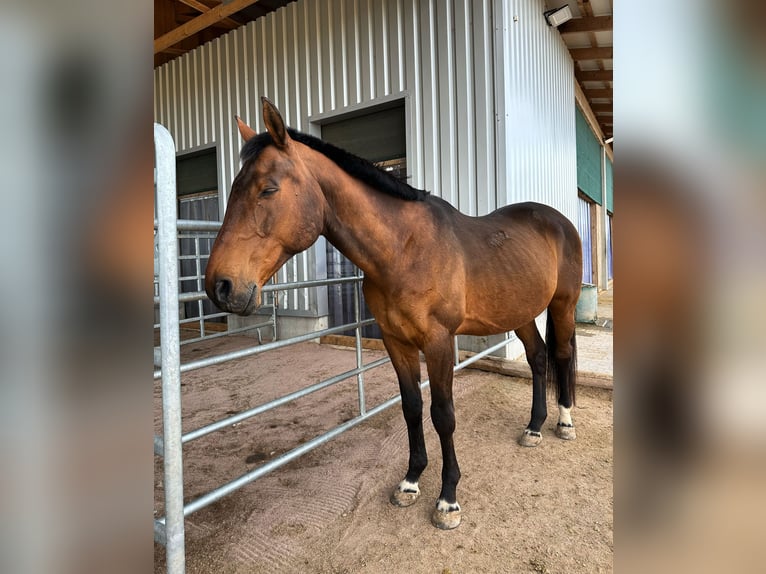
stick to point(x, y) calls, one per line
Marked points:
point(483, 103)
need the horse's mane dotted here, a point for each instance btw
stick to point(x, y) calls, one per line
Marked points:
point(355, 166)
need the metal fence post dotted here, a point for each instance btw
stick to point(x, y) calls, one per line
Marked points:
point(358, 333)
point(170, 346)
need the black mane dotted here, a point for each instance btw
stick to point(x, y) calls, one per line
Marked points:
point(355, 166)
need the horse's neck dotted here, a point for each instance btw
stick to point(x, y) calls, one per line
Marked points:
point(355, 219)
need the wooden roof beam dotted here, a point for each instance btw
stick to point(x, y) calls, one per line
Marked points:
point(200, 7)
point(590, 24)
point(174, 51)
point(605, 93)
point(579, 54)
point(595, 75)
point(212, 16)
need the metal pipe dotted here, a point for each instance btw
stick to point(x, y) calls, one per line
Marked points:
point(159, 532)
point(197, 268)
point(244, 415)
point(457, 352)
point(194, 295)
point(210, 361)
point(194, 225)
point(471, 360)
point(229, 332)
point(158, 446)
point(169, 343)
point(358, 343)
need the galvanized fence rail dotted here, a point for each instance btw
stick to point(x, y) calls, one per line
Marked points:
point(169, 529)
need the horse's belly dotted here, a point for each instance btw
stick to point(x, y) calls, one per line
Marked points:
point(490, 317)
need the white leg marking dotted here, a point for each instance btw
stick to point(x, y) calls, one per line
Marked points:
point(565, 415)
point(565, 429)
point(444, 506)
point(407, 486)
point(405, 493)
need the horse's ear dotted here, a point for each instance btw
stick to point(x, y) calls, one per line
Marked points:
point(245, 130)
point(274, 123)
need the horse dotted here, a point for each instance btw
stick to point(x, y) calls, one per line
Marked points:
point(430, 273)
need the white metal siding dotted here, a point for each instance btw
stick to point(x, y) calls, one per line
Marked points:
point(486, 126)
point(535, 104)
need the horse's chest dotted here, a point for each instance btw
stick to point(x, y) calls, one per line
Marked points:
point(407, 315)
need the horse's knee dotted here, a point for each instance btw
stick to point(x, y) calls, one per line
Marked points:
point(412, 406)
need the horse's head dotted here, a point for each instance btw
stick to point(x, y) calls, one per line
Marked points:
point(275, 210)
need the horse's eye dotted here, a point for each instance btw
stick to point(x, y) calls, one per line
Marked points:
point(268, 191)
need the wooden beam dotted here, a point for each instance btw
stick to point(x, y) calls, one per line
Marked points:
point(594, 24)
point(601, 108)
point(595, 75)
point(579, 54)
point(201, 22)
point(198, 6)
point(203, 8)
point(174, 51)
point(606, 93)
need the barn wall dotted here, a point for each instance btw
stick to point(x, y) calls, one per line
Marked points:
point(490, 109)
point(536, 144)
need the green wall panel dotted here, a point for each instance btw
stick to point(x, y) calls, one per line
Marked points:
point(588, 159)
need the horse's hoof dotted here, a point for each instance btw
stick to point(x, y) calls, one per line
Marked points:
point(565, 432)
point(446, 516)
point(530, 438)
point(405, 494)
point(400, 498)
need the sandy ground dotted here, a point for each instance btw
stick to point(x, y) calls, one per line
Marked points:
point(547, 509)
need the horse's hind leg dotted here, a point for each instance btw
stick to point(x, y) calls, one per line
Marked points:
point(562, 348)
point(536, 357)
point(406, 362)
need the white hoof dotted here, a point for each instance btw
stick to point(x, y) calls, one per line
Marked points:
point(530, 438)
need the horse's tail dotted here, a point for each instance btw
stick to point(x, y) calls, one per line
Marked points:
point(562, 385)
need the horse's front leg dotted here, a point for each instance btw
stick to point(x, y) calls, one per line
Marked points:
point(439, 355)
point(406, 362)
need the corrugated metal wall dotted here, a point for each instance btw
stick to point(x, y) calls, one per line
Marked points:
point(535, 100)
point(477, 141)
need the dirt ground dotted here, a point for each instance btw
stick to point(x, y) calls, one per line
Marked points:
point(544, 510)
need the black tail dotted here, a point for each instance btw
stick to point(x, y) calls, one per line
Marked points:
point(563, 385)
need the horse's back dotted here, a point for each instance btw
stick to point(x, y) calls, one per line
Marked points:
point(537, 219)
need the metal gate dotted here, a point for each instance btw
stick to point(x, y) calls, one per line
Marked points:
point(169, 529)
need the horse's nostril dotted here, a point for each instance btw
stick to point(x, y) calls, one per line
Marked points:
point(222, 290)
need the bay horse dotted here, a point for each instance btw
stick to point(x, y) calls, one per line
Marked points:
point(430, 272)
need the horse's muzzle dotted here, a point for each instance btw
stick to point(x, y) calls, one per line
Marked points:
point(227, 298)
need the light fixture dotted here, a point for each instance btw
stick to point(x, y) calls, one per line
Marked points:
point(558, 16)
